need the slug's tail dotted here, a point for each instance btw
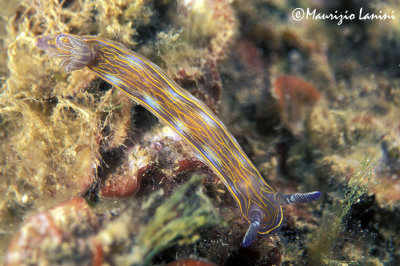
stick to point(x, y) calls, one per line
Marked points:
point(74, 51)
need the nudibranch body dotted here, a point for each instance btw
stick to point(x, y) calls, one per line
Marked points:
point(149, 86)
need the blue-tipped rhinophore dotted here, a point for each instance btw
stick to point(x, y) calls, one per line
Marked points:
point(285, 199)
point(281, 199)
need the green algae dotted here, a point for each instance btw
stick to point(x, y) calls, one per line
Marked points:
point(333, 221)
point(175, 222)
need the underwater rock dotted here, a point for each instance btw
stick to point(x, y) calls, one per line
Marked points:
point(159, 157)
point(56, 236)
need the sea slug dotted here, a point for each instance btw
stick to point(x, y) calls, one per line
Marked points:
point(149, 86)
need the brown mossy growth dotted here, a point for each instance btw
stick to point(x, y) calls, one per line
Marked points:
point(192, 54)
point(363, 127)
point(113, 19)
point(53, 126)
point(57, 236)
point(36, 121)
point(338, 167)
point(334, 131)
point(6, 9)
point(54, 138)
point(118, 19)
point(324, 127)
point(321, 248)
point(296, 98)
point(115, 110)
point(48, 16)
point(208, 27)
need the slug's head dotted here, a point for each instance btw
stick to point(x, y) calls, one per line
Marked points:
point(74, 51)
point(268, 218)
point(263, 219)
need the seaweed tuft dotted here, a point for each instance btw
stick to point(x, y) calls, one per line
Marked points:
point(333, 222)
point(175, 222)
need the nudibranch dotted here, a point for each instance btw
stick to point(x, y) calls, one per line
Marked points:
point(190, 118)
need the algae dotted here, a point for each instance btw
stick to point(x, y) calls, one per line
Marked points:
point(174, 222)
point(333, 222)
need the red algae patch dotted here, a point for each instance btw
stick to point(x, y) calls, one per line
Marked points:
point(296, 97)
